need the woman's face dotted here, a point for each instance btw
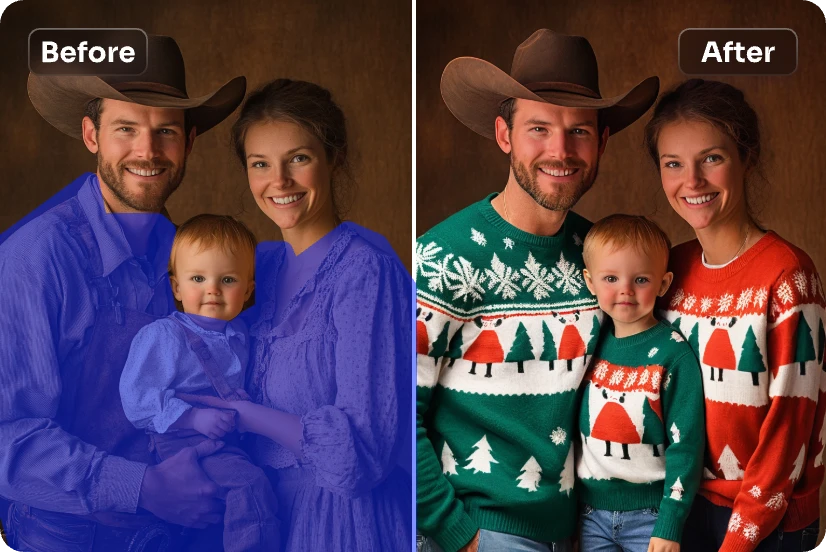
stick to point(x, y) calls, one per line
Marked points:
point(702, 174)
point(289, 174)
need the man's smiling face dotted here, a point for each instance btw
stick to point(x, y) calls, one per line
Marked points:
point(141, 153)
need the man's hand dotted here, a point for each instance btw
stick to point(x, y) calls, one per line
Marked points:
point(178, 491)
point(473, 545)
point(213, 423)
point(662, 545)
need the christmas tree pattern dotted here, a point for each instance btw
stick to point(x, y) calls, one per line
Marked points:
point(530, 476)
point(486, 349)
point(652, 423)
point(805, 350)
point(677, 490)
point(521, 350)
point(675, 433)
point(440, 345)
point(592, 344)
point(454, 350)
point(822, 439)
point(422, 340)
point(585, 414)
point(481, 459)
point(571, 345)
point(694, 339)
point(566, 478)
point(798, 464)
point(448, 461)
point(751, 359)
point(676, 323)
point(730, 465)
point(719, 353)
point(548, 346)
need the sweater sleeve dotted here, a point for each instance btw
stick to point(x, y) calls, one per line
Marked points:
point(439, 514)
point(684, 422)
point(783, 454)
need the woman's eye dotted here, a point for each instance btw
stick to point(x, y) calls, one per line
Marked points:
point(198, 279)
point(228, 280)
point(258, 165)
point(671, 165)
point(713, 158)
point(611, 279)
point(641, 280)
point(300, 158)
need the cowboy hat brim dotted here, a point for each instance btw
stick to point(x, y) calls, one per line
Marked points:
point(62, 100)
point(473, 90)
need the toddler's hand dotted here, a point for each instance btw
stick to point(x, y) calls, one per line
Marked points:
point(662, 545)
point(213, 423)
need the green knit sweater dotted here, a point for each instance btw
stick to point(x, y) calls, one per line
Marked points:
point(642, 427)
point(504, 331)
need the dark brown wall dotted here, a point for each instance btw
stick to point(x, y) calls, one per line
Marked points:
point(359, 49)
point(633, 39)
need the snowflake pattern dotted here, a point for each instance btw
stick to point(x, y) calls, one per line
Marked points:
point(508, 243)
point(426, 264)
point(775, 502)
point(734, 523)
point(760, 298)
point(601, 370)
point(577, 240)
point(502, 277)
point(785, 293)
point(677, 337)
point(652, 352)
point(678, 298)
point(631, 379)
point(558, 436)
point(478, 237)
point(755, 492)
point(801, 283)
point(537, 279)
point(815, 287)
point(466, 281)
point(689, 302)
point(751, 532)
point(655, 380)
point(643, 378)
point(667, 381)
point(705, 304)
point(724, 302)
point(616, 377)
point(744, 299)
point(568, 276)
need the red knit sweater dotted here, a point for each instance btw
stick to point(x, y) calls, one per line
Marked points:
point(757, 326)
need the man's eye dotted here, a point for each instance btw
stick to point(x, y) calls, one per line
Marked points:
point(641, 280)
point(537, 129)
point(125, 129)
point(579, 131)
point(198, 279)
point(611, 279)
point(228, 280)
point(166, 131)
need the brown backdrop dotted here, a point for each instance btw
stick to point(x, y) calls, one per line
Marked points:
point(359, 49)
point(632, 39)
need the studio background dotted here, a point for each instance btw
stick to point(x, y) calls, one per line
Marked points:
point(360, 50)
point(632, 40)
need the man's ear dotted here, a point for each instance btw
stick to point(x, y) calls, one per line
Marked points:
point(176, 289)
point(668, 277)
point(90, 135)
point(503, 135)
point(588, 282)
point(190, 140)
point(603, 140)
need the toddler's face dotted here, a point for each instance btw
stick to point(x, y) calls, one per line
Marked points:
point(626, 283)
point(211, 282)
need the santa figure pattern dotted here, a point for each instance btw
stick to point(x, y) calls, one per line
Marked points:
point(758, 321)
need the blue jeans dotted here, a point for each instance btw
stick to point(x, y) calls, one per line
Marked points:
point(607, 531)
point(707, 525)
point(491, 541)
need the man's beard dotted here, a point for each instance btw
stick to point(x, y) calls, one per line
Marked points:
point(565, 199)
point(154, 196)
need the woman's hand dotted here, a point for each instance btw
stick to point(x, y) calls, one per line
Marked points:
point(242, 407)
point(662, 545)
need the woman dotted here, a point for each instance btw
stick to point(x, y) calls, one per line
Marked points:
point(332, 335)
point(752, 306)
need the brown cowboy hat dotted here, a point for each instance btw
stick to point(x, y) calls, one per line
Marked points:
point(547, 67)
point(62, 100)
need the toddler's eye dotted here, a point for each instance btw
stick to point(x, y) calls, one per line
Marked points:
point(641, 280)
point(228, 280)
point(198, 279)
point(611, 279)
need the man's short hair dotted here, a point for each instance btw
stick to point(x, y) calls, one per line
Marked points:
point(621, 231)
point(209, 231)
point(95, 107)
point(508, 108)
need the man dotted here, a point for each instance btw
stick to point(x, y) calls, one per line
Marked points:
point(506, 324)
point(82, 278)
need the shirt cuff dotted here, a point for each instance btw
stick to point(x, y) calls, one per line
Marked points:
point(119, 485)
